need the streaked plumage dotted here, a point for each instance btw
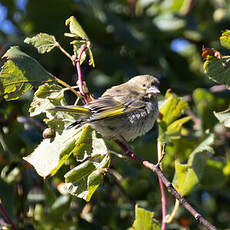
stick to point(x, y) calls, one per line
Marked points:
point(128, 110)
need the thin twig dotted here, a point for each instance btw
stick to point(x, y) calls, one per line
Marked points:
point(78, 66)
point(65, 52)
point(66, 85)
point(162, 153)
point(7, 218)
point(156, 169)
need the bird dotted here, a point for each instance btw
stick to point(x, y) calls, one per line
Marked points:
point(125, 111)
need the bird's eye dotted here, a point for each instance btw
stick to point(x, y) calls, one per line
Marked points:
point(144, 85)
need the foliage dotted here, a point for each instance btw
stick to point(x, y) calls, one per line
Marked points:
point(144, 219)
point(128, 38)
point(20, 73)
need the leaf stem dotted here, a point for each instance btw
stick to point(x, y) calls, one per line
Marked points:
point(65, 52)
point(7, 218)
point(66, 85)
point(170, 217)
point(156, 169)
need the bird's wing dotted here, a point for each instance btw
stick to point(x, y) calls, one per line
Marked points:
point(112, 106)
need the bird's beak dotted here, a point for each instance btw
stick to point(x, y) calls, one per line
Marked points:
point(153, 90)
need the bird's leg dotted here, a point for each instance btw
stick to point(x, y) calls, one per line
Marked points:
point(125, 146)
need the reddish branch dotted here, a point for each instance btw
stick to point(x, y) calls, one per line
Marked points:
point(156, 169)
point(163, 204)
point(78, 65)
point(163, 197)
point(7, 218)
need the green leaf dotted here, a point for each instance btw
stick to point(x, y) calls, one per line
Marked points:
point(174, 128)
point(91, 59)
point(44, 43)
point(50, 155)
point(84, 146)
point(144, 219)
point(205, 145)
point(225, 39)
point(93, 182)
point(185, 178)
point(172, 107)
point(75, 28)
point(82, 170)
point(218, 70)
point(85, 186)
point(83, 180)
point(46, 97)
point(188, 176)
point(20, 73)
point(224, 117)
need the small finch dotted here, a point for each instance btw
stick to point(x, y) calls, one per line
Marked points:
point(128, 110)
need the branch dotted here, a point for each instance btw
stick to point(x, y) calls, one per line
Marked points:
point(156, 169)
point(161, 154)
point(78, 66)
point(7, 218)
point(163, 204)
point(66, 85)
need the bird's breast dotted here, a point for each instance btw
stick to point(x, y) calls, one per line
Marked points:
point(129, 125)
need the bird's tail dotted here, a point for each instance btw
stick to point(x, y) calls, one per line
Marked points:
point(78, 110)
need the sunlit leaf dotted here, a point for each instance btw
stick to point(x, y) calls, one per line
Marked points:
point(83, 147)
point(94, 180)
point(20, 73)
point(82, 170)
point(225, 39)
point(224, 117)
point(88, 179)
point(51, 154)
point(144, 219)
point(188, 176)
point(185, 178)
point(46, 97)
point(218, 70)
point(175, 127)
point(43, 42)
point(91, 59)
point(75, 28)
point(83, 180)
point(172, 107)
point(205, 145)
point(77, 31)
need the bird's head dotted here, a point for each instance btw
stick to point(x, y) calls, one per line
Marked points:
point(145, 84)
